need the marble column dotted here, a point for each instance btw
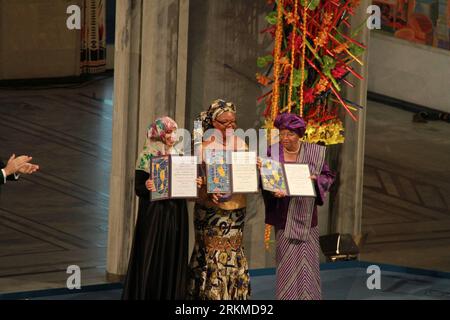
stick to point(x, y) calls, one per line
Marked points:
point(346, 202)
point(126, 107)
point(150, 43)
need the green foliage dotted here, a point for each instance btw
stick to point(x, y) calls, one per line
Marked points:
point(272, 18)
point(298, 77)
point(311, 4)
point(262, 62)
point(355, 49)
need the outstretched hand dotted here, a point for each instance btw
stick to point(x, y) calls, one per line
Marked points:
point(15, 164)
point(28, 168)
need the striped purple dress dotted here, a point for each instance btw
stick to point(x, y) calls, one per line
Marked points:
point(298, 273)
point(297, 231)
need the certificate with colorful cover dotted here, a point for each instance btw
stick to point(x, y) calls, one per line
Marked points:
point(272, 176)
point(218, 178)
point(291, 178)
point(174, 177)
point(160, 174)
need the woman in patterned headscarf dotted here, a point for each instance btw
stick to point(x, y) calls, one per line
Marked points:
point(158, 261)
point(216, 110)
point(218, 269)
point(295, 218)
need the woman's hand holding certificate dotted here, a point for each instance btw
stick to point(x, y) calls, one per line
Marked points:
point(288, 179)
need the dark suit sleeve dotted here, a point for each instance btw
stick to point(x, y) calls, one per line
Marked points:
point(11, 177)
point(2, 178)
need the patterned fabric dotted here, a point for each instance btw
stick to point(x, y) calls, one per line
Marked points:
point(216, 108)
point(93, 36)
point(298, 272)
point(218, 269)
point(300, 212)
point(154, 144)
point(291, 122)
point(158, 129)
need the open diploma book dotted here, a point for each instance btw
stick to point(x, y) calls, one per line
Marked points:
point(291, 178)
point(174, 177)
point(241, 176)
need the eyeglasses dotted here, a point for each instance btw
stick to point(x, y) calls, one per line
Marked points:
point(288, 134)
point(226, 123)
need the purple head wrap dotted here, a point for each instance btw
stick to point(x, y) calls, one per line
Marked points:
point(291, 122)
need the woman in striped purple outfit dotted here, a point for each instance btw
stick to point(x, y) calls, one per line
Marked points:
point(295, 218)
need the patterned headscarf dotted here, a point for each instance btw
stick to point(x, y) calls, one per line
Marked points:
point(216, 108)
point(154, 142)
point(291, 122)
point(158, 129)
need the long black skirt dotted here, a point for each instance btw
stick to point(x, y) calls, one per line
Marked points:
point(158, 263)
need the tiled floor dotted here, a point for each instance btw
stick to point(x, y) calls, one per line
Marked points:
point(57, 217)
point(406, 199)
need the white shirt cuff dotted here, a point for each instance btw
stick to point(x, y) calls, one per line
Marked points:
point(4, 176)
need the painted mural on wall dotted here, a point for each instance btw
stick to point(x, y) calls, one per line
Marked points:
point(420, 21)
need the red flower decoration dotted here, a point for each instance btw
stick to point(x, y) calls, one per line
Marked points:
point(338, 72)
point(308, 95)
point(271, 30)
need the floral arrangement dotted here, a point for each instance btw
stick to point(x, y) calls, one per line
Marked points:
point(311, 58)
point(312, 55)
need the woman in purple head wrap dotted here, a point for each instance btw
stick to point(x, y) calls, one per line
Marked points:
point(290, 122)
point(295, 218)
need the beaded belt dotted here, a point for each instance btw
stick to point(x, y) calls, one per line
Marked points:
point(223, 243)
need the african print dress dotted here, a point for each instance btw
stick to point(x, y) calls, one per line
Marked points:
point(218, 268)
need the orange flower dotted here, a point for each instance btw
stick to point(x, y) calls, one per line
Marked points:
point(267, 236)
point(321, 86)
point(263, 80)
point(284, 61)
point(340, 48)
point(327, 18)
point(321, 39)
point(290, 18)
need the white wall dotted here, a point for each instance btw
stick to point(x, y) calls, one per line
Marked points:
point(408, 71)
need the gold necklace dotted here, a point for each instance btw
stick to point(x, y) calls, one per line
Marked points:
point(293, 152)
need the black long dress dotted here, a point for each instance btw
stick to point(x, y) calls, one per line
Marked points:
point(158, 263)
